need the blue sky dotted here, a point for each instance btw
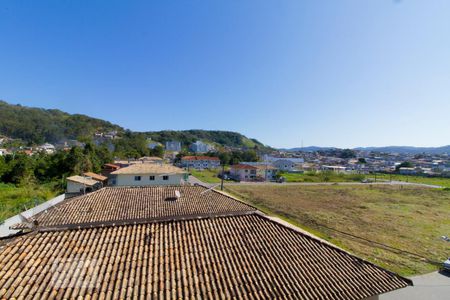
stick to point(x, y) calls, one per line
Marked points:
point(330, 73)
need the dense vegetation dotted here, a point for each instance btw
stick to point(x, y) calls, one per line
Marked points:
point(224, 138)
point(21, 169)
point(37, 125)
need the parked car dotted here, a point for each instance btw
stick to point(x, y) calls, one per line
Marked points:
point(446, 265)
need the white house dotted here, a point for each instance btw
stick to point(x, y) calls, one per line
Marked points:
point(145, 174)
point(173, 146)
point(258, 172)
point(3, 152)
point(48, 148)
point(200, 162)
point(80, 184)
point(200, 147)
point(243, 172)
point(284, 164)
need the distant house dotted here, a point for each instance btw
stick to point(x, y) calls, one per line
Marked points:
point(243, 172)
point(3, 152)
point(150, 159)
point(200, 162)
point(47, 148)
point(284, 164)
point(409, 171)
point(337, 169)
point(257, 172)
point(80, 184)
point(200, 147)
point(108, 168)
point(147, 174)
point(100, 178)
point(173, 146)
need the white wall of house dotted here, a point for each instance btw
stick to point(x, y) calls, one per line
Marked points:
point(243, 174)
point(146, 180)
point(284, 165)
point(201, 164)
point(75, 187)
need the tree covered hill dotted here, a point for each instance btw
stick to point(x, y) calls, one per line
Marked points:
point(37, 125)
point(223, 138)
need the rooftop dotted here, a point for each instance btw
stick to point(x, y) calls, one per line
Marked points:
point(241, 166)
point(243, 257)
point(143, 169)
point(95, 176)
point(139, 204)
point(83, 180)
point(200, 158)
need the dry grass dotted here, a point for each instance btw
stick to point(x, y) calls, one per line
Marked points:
point(409, 218)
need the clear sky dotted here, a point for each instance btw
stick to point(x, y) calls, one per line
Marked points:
point(331, 73)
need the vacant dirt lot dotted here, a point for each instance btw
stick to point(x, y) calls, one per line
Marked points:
point(399, 228)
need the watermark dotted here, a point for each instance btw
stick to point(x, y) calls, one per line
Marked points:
point(75, 272)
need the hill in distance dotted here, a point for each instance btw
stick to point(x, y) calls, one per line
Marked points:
point(387, 149)
point(38, 125)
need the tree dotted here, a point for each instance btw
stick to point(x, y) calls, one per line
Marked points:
point(362, 160)
point(405, 164)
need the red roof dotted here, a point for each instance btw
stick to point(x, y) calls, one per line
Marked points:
point(200, 158)
point(113, 166)
point(240, 166)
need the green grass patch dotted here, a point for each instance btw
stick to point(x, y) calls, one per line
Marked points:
point(322, 177)
point(208, 176)
point(374, 222)
point(441, 181)
point(14, 200)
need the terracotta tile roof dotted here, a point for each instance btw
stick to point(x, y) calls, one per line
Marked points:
point(240, 257)
point(200, 158)
point(142, 168)
point(139, 204)
point(94, 176)
point(113, 166)
point(82, 180)
point(248, 167)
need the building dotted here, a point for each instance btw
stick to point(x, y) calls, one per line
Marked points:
point(284, 164)
point(253, 172)
point(266, 172)
point(81, 185)
point(409, 171)
point(200, 162)
point(151, 159)
point(200, 147)
point(146, 174)
point(243, 172)
point(337, 169)
point(3, 152)
point(173, 146)
point(97, 177)
point(178, 243)
point(108, 168)
point(47, 148)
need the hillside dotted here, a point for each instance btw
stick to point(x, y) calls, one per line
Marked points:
point(224, 138)
point(37, 125)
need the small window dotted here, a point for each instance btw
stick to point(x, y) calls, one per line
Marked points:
point(165, 177)
point(152, 177)
point(137, 178)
